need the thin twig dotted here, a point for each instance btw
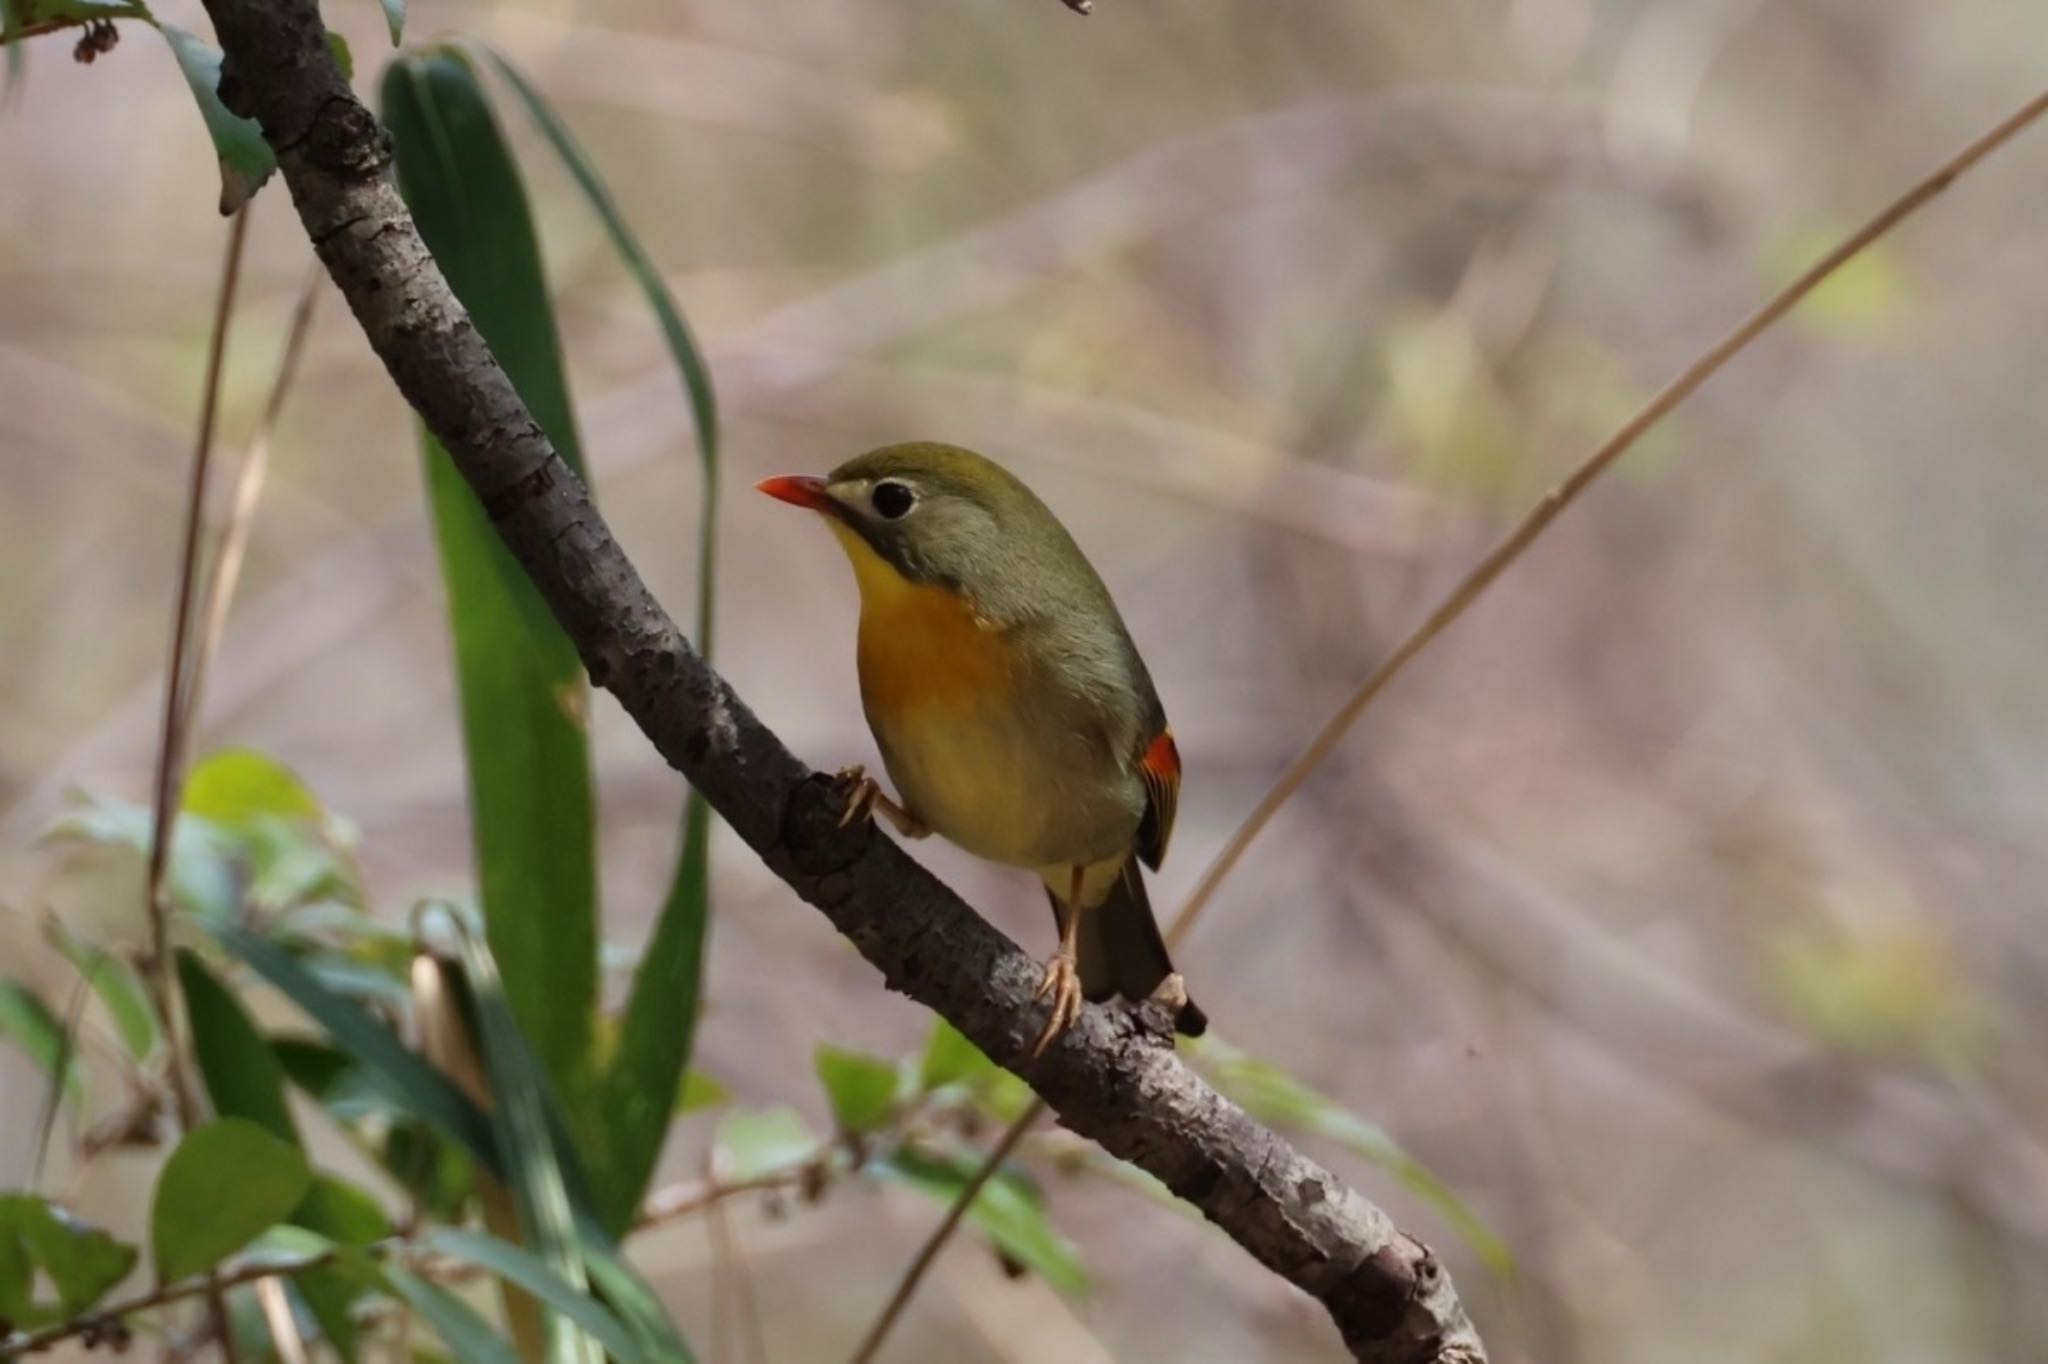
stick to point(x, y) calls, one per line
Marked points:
point(226, 568)
point(682, 1200)
point(93, 15)
point(1467, 591)
point(170, 748)
point(929, 1252)
point(277, 1315)
point(170, 751)
point(1564, 494)
point(727, 1252)
point(721, 1268)
point(183, 1291)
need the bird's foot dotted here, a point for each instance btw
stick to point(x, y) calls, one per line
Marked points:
point(864, 800)
point(1061, 984)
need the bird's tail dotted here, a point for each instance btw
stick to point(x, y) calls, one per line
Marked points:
point(1121, 952)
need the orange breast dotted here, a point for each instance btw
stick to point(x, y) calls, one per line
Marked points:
point(922, 650)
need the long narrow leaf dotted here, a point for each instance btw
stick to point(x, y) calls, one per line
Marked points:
point(246, 160)
point(243, 1075)
point(28, 1023)
point(466, 1334)
point(120, 990)
point(661, 1010)
point(515, 1265)
point(522, 685)
point(519, 1116)
point(396, 1069)
point(631, 1297)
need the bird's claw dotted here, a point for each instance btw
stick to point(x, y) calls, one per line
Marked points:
point(864, 800)
point(860, 790)
point(1062, 984)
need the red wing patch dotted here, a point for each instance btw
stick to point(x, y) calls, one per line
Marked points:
point(1160, 767)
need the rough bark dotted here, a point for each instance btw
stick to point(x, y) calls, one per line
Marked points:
point(1114, 1077)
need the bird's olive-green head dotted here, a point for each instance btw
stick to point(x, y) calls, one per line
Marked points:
point(943, 516)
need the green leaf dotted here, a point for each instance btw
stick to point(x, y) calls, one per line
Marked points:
point(394, 19)
point(517, 1266)
point(17, 1273)
point(228, 1181)
point(10, 37)
point(755, 1142)
point(342, 1212)
point(314, 1066)
point(243, 1075)
point(343, 57)
point(237, 785)
point(437, 1173)
point(467, 1335)
point(81, 1262)
point(27, 1022)
point(862, 1088)
point(638, 1307)
point(328, 1295)
point(1274, 1097)
point(1009, 1210)
point(245, 1078)
point(661, 1008)
point(410, 1081)
point(288, 1249)
point(245, 158)
point(701, 1091)
point(119, 988)
point(950, 1059)
point(520, 1119)
point(659, 1027)
point(204, 879)
point(295, 869)
point(521, 683)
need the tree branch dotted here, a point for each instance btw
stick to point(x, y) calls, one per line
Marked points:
point(1114, 1077)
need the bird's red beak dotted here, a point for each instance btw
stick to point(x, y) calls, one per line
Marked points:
point(799, 490)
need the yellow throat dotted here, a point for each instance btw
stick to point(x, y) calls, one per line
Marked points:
point(922, 648)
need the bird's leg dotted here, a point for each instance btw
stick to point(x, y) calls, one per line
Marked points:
point(864, 800)
point(1062, 979)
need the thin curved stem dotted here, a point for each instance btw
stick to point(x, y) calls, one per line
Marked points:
point(226, 569)
point(170, 758)
point(929, 1251)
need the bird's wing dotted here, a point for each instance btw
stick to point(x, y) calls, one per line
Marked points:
point(1159, 765)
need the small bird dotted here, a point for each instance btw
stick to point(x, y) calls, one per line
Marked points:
point(1011, 707)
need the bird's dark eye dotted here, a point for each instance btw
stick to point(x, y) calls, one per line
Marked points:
point(892, 499)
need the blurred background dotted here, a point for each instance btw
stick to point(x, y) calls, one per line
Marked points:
point(1681, 909)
